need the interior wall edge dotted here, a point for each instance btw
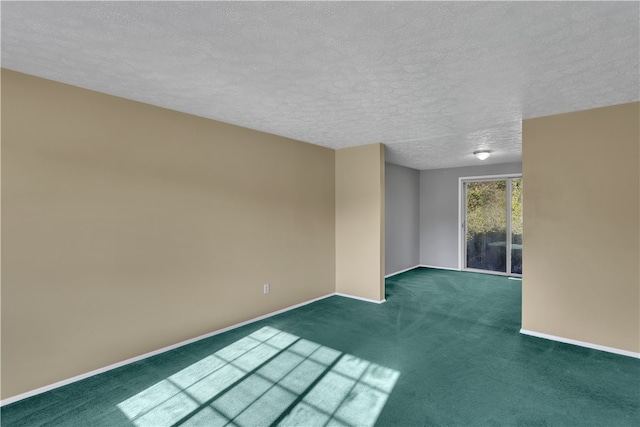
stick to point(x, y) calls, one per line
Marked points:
point(359, 221)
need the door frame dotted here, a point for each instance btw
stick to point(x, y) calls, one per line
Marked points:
point(462, 215)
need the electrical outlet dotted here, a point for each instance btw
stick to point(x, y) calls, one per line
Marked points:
point(266, 288)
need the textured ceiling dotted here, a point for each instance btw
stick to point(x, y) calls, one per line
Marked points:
point(434, 81)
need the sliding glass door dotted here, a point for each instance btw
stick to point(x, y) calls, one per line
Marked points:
point(492, 225)
point(486, 225)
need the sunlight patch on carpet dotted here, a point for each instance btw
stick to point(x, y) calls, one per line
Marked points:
point(270, 377)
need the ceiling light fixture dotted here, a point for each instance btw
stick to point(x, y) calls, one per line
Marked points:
point(482, 154)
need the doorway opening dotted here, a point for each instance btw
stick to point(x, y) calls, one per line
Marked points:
point(491, 224)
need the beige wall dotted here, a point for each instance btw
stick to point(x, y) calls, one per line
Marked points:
point(127, 228)
point(582, 226)
point(360, 221)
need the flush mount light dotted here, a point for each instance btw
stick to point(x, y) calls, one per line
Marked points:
point(482, 154)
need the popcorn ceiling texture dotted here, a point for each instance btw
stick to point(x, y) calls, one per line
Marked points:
point(433, 81)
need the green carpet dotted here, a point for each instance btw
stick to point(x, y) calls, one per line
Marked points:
point(443, 350)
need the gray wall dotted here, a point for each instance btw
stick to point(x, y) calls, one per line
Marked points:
point(439, 210)
point(402, 218)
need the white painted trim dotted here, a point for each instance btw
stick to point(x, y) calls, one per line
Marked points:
point(55, 385)
point(509, 237)
point(462, 215)
point(360, 298)
point(491, 177)
point(581, 343)
point(471, 270)
point(493, 273)
point(439, 268)
point(403, 271)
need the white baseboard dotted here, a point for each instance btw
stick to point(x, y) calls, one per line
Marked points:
point(360, 298)
point(71, 380)
point(580, 343)
point(402, 271)
point(439, 268)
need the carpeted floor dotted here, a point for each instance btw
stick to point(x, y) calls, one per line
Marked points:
point(443, 350)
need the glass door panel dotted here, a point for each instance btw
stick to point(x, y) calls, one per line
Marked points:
point(516, 226)
point(486, 225)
